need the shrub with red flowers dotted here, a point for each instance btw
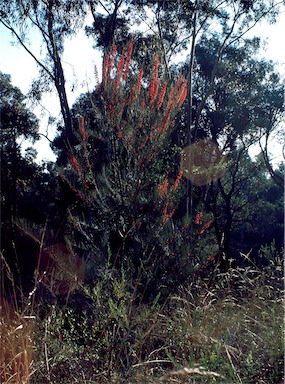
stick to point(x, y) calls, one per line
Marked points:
point(125, 209)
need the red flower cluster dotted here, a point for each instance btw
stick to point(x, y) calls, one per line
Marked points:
point(141, 127)
point(206, 226)
point(163, 187)
point(199, 218)
point(115, 77)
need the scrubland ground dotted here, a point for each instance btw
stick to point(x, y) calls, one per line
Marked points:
point(224, 328)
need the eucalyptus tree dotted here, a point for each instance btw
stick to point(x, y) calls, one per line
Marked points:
point(53, 21)
point(17, 123)
point(248, 210)
point(25, 184)
point(246, 98)
point(110, 24)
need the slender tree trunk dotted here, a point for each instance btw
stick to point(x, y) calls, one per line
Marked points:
point(59, 78)
point(189, 198)
point(13, 196)
point(225, 251)
point(65, 110)
point(224, 261)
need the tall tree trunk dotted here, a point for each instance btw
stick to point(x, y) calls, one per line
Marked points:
point(59, 78)
point(189, 187)
point(225, 251)
point(65, 110)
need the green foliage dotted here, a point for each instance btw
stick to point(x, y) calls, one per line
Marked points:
point(125, 200)
point(248, 206)
point(237, 116)
point(19, 173)
point(16, 120)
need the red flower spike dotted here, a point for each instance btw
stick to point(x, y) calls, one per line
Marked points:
point(164, 213)
point(206, 226)
point(163, 187)
point(139, 82)
point(128, 60)
point(136, 88)
point(177, 181)
point(109, 63)
point(166, 122)
point(82, 131)
point(112, 58)
point(170, 99)
point(106, 65)
point(111, 109)
point(154, 84)
point(179, 82)
point(119, 72)
point(161, 95)
point(166, 216)
point(75, 165)
point(183, 95)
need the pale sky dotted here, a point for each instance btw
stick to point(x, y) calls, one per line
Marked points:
point(79, 61)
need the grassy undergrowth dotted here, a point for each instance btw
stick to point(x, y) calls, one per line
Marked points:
point(223, 329)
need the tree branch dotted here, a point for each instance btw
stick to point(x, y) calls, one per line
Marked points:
point(27, 49)
point(275, 177)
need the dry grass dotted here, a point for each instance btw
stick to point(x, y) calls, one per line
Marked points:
point(227, 330)
point(16, 351)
